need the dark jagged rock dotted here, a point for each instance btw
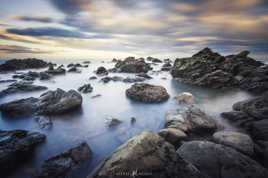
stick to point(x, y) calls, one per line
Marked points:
point(74, 69)
point(166, 67)
point(114, 78)
point(146, 155)
point(86, 62)
point(20, 64)
point(173, 136)
point(152, 59)
point(87, 88)
point(114, 60)
point(93, 78)
point(147, 93)
point(220, 161)
point(102, 71)
point(15, 147)
point(132, 65)
point(70, 65)
point(212, 70)
point(7, 81)
point(49, 103)
point(44, 76)
point(59, 102)
point(21, 87)
point(63, 164)
point(144, 75)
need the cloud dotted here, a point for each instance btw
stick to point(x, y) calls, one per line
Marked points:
point(20, 49)
point(33, 19)
point(52, 32)
point(4, 24)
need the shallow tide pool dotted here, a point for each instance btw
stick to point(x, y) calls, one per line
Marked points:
point(89, 123)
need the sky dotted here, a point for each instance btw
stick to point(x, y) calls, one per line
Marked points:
point(106, 29)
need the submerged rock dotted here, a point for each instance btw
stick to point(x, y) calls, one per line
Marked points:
point(212, 70)
point(63, 164)
point(166, 67)
point(21, 87)
point(44, 122)
point(16, 147)
point(87, 88)
point(147, 93)
point(49, 103)
point(132, 65)
point(146, 155)
point(219, 161)
point(239, 141)
point(20, 64)
point(185, 97)
point(133, 80)
point(112, 122)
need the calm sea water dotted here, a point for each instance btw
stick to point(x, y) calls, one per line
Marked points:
point(89, 123)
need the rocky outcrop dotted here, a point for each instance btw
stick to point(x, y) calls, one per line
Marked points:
point(239, 141)
point(219, 161)
point(132, 65)
point(194, 122)
point(20, 64)
point(87, 88)
point(146, 155)
point(57, 71)
point(21, 87)
point(173, 136)
point(49, 103)
point(15, 147)
point(166, 67)
point(63, 164)
point(212, 70)
point(147, 93)
point(74, 69)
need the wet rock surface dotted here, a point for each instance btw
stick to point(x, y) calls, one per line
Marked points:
point(219, 161)
point(87, 88)
point(44, 122)
point(20, 64)
point(146, 153)
point(21, 87)
point(147, 93)
point(49, 103)
point(102, 71)
point(210, 69)
point(63, 164)
point(16, 146)
point(132, 65)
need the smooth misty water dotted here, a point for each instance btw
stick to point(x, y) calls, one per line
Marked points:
point(89, 124)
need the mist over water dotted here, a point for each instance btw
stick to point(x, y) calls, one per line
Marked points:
point(89, 123)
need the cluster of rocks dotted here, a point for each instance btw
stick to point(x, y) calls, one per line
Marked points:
point(55, 71)
point(49, 103)
point(30, 76)
point(21, 64)
point(132, 65)
point(210, 69)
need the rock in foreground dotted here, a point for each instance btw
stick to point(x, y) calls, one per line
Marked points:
point(146, 155)
point(15, 147)
point(62, 165)
point(219, 161)
point(147, 93)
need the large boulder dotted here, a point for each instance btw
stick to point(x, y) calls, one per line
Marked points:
point(239, 141)
point(147, 93)
point(219, 161)
point(173, 136)
point(102, 71)
point(132, 65)
point(146, 155)
point(194, 122)
point(20, 64)
point(15, 147)
point(21, 87)
point(49, 103)
point(210, 69)
point(63, 164)
point(59, 102)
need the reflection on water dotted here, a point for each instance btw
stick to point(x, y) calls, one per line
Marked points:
point(88, 124)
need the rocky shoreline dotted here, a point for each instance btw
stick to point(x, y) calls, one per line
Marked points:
point(192, 143)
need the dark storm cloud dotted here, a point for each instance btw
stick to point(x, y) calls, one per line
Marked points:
point(53, 32)
point(34, 19)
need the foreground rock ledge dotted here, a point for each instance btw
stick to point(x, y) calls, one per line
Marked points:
point(147, 93)
point(146, 155)
point(20, 64)
point(63, 164)
point(15, 147)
